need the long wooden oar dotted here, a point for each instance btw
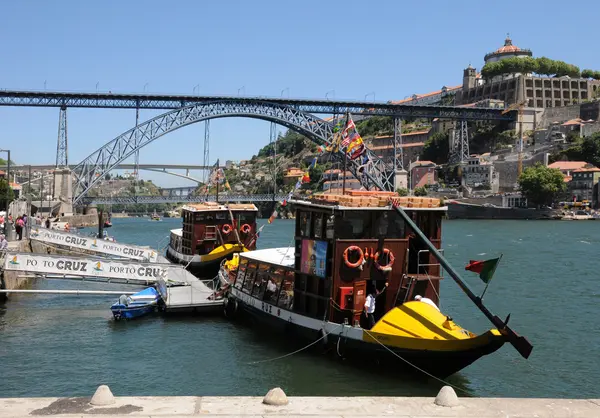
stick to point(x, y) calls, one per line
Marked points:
point(521, 344)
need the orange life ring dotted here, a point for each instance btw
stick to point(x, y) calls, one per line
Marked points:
point(391, 260)
point(226, 229)
point(361, 257)
point(245, 229)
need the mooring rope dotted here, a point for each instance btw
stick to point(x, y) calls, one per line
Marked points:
point(415, 366)
point(325, 334)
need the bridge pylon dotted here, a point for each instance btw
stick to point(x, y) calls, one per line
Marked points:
point(62, 159)
point(459, 143)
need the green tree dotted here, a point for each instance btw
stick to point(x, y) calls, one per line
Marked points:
point(436, 148)
point(590, 149)
point(587, 73)
point(541, 185)
point(420, 191)
point(402, 191)
point(5, 193)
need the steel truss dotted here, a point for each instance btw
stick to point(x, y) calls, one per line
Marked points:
point(95, 166)
point(143, 101)
point(62, 155)
point(105, 200)
point(459, 150)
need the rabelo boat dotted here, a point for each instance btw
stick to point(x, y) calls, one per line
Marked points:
point(211, 233)
point(347, 247)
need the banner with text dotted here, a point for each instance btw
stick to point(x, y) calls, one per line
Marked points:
point(93, 267)
point(100, 246)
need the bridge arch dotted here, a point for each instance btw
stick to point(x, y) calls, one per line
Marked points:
point(93, 168)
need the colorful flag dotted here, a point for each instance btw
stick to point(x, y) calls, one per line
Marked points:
point(485, 269)
point(306, 178)
point(272, 217)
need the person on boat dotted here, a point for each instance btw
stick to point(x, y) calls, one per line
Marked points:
point(427, 301)
point(48, 222)
point(3, 243)
point(369, 308)
point(271, 289)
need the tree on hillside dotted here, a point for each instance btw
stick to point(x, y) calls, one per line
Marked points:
point(420, 191)
point(541, 185)
point(436, 148)
point(376, 125)
point(590, 149)
point(5, 193)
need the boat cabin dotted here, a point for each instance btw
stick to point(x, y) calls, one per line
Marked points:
point(209, 225)
point(345, 248)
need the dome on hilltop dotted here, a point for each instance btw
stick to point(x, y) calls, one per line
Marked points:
point(506, 51)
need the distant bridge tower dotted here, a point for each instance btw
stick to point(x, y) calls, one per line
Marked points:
point(62, 159)
point(63, 180)
point(459, 143)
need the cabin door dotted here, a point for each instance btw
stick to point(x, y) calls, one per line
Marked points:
point(360, 296)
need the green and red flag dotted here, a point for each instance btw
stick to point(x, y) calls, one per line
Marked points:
point(485, 269)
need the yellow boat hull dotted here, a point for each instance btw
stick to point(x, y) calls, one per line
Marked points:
point(420, 334)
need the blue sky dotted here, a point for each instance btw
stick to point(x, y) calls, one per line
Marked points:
point(392, 48)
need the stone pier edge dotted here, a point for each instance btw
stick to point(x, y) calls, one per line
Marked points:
point(230, 406)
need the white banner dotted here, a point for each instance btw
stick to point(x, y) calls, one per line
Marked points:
point(93, 267)
point(100, 246)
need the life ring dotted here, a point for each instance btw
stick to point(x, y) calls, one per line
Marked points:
point(391, 260)
point(226, 229)
point(360, 260)
point(245, 229)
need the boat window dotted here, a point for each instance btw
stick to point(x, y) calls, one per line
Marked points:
point(199, 216)
point(329, 232)
point(250, 277)
point(246, 218)
point(354, 224)
point(318, 229)
point(273, 283)
point(388, 224)
point(260, 284)
point(304, 224)
point(286, 295)
point(221, 215)
point(239, 280)
point(210, 216)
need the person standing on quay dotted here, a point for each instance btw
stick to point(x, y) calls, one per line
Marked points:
point(19, 228)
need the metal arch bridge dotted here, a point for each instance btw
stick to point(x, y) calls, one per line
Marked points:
point(95, 166)
point(314, 106)
point(182, 199)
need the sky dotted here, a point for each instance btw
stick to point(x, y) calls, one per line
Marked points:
point(308, 49)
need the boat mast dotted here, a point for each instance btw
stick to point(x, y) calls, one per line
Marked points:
point(217, 180)
point(345, 160)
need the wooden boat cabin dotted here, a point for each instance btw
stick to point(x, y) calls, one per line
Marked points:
point(212, 232)
point(347, 248)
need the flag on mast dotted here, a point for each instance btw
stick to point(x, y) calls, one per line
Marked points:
point(485, 269)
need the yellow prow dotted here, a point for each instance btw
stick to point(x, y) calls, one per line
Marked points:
point(418, 325)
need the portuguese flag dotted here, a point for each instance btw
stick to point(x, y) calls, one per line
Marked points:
point(485, 269)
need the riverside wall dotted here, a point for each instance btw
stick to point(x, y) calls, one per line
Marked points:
point(10, 279)
point(81, 221)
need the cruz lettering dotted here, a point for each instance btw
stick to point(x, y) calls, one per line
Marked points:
point(71, 265)
point(76, 240)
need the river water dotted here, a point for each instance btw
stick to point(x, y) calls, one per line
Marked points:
point(53, 345)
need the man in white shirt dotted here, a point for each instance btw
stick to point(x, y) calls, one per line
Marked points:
point(427, 301)
point(271, 290)
point(369, 307)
